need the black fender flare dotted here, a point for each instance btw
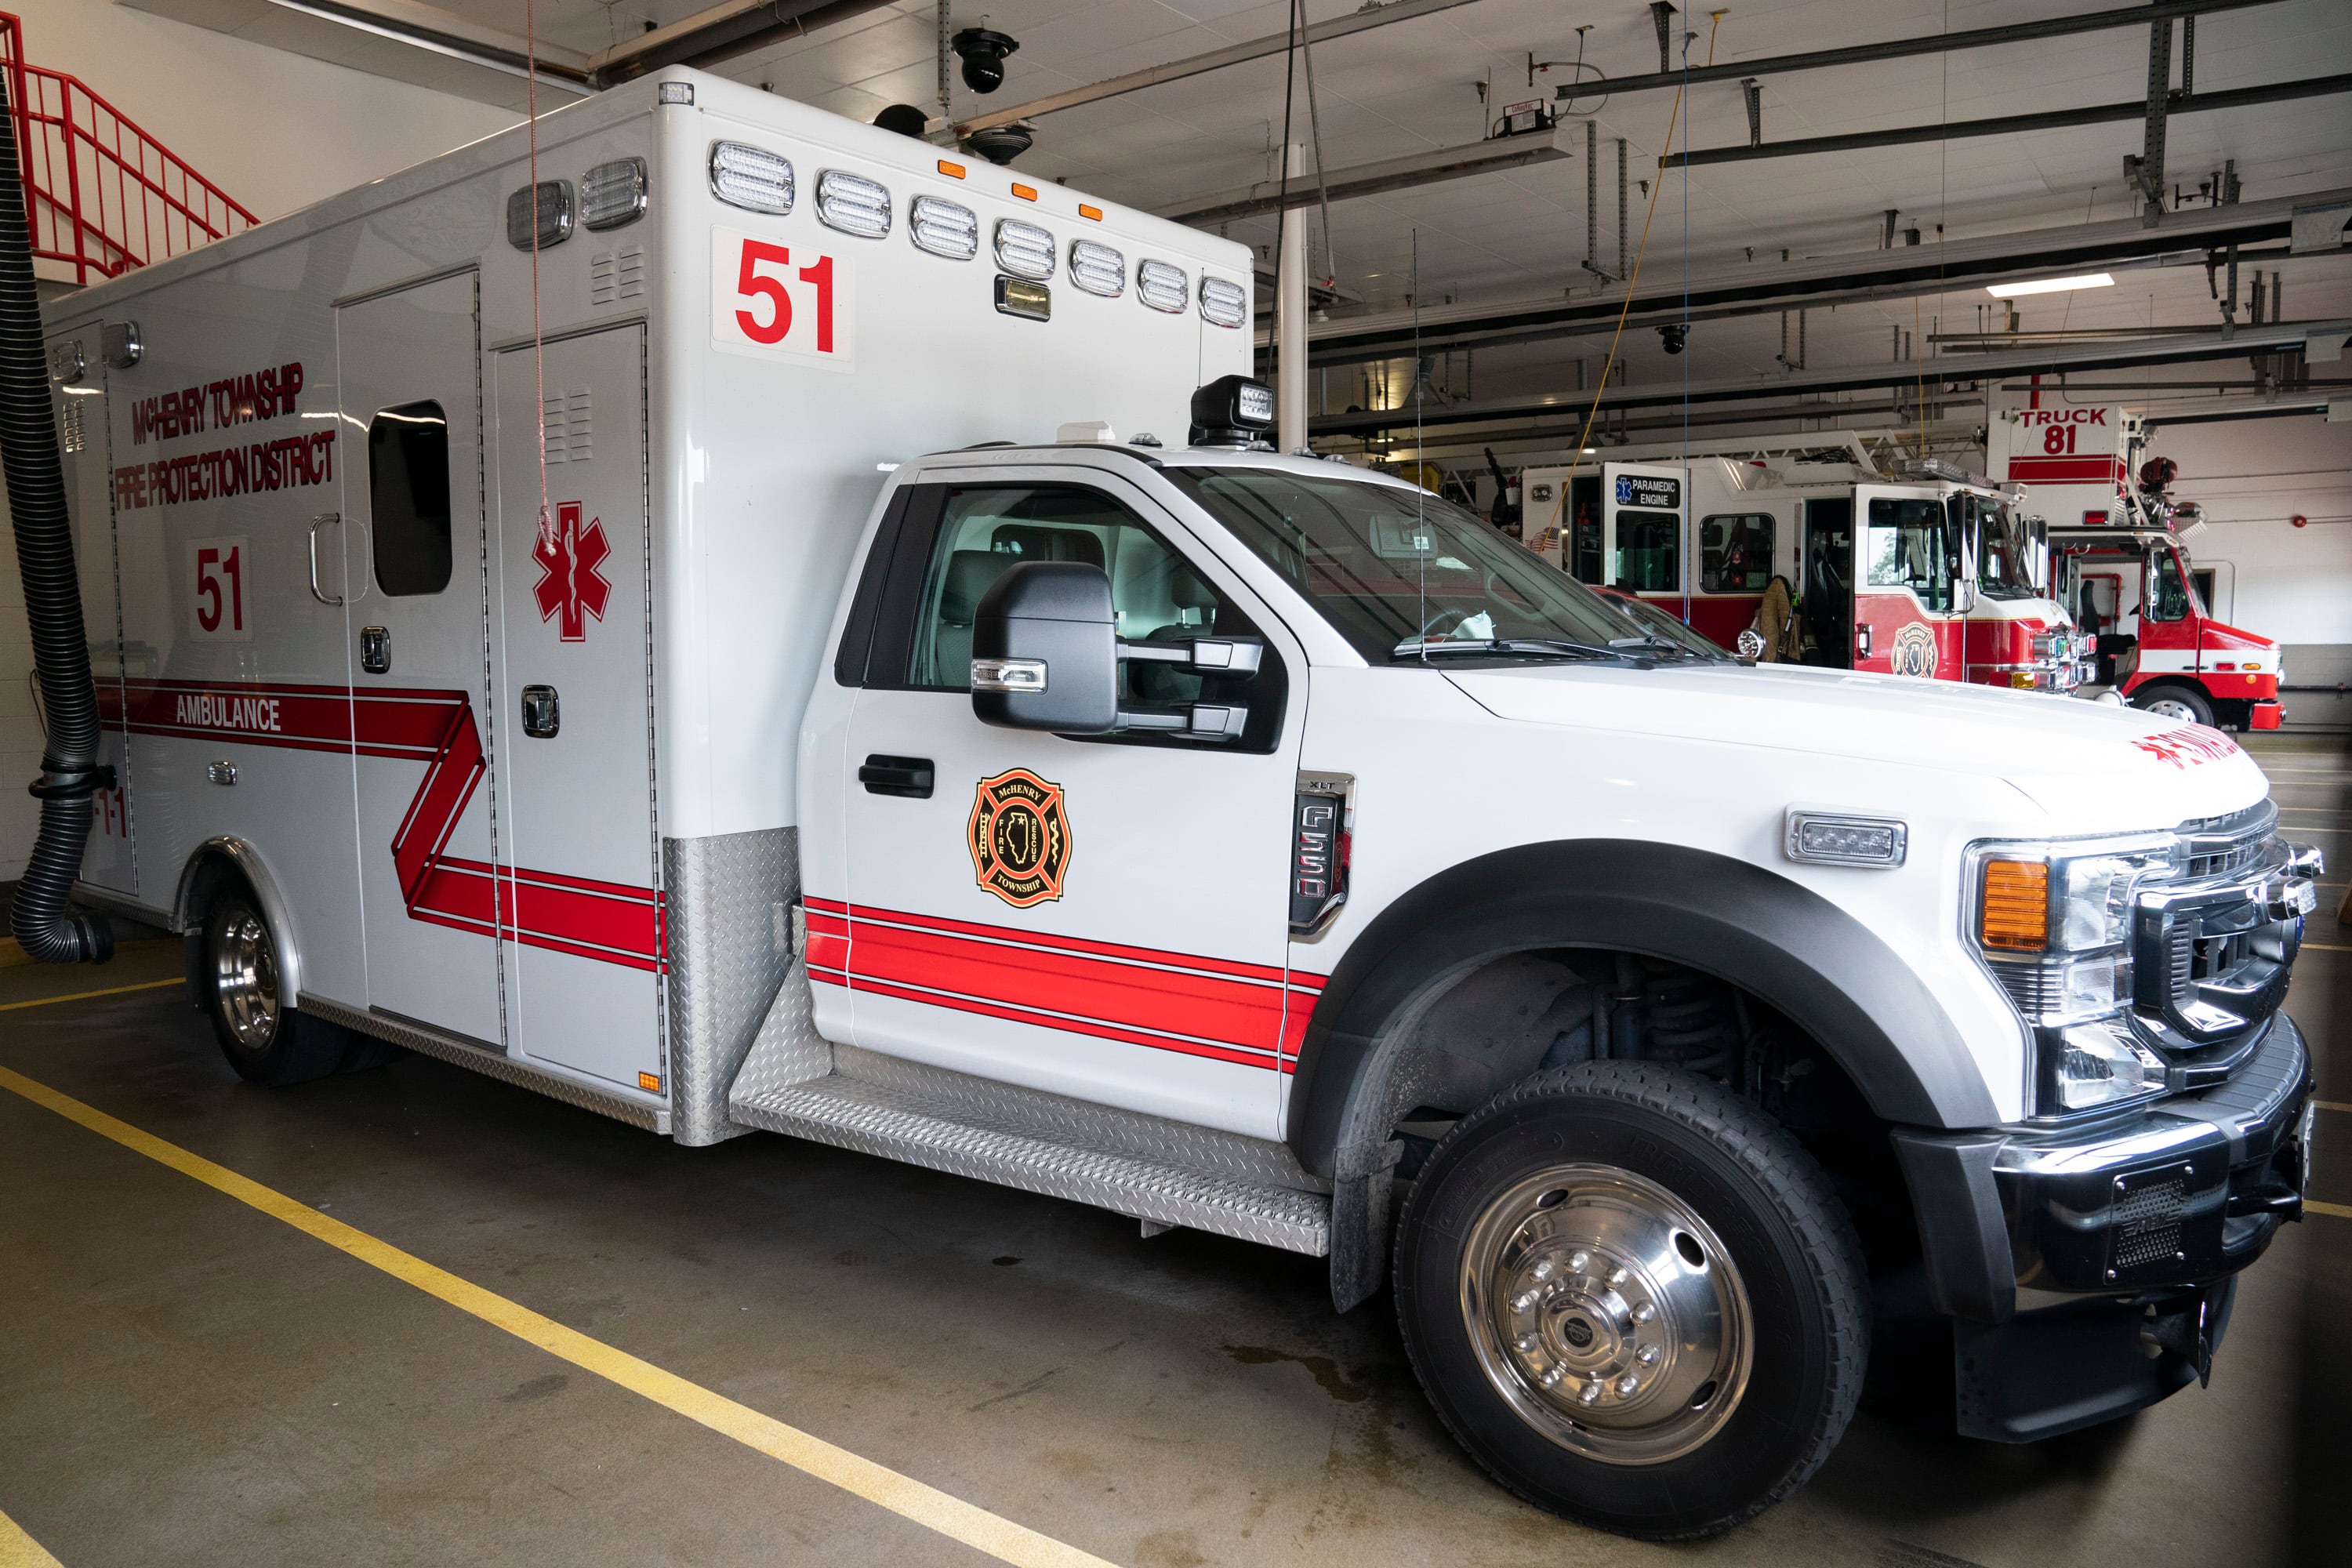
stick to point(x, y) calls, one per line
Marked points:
point(1829, 972)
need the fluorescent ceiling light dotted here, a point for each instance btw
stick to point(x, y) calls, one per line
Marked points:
point(2051, 286)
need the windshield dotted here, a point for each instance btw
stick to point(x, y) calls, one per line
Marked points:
point(2004, 548)
point(1401, 572)
point(1659, 624)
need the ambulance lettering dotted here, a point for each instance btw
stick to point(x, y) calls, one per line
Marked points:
point(768, 296)
point(208, 710)
point(2191, 746)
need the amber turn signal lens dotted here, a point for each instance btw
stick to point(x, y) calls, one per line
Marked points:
point(2016, 913)
point(649, 1082)
point(952, 171)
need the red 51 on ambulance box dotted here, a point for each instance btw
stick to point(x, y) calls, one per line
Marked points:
point(772, 627)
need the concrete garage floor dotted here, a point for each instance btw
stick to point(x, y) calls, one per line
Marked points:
point(186, 1380)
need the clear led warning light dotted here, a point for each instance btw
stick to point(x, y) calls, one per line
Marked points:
point(852, 204)
point(944, 228)
point(750, 177)
point(1161, 285)
point(1223, 304)
point(1097, 269)
point(1023, 249)
point(613, 194)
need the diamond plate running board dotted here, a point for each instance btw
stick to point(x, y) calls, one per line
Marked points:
point(1045, 1143)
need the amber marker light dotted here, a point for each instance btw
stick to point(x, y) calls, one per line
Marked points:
point(649, 1082)
point(2015, 914)
point(952, 171)
point(1026, 193)
point(1094, 213)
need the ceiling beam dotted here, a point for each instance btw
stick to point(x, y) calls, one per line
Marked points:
point(2014, 125)
point(1933, 374)
point(441, 32)
point(1902, 49)
point(719, 33)
point(1370, 179)
point(1358, 21)
point(1901, 272)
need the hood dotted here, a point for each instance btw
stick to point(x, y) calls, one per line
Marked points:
point(2214, 637)
point(2092, 767)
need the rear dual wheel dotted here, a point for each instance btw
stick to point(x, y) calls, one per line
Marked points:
point(1635, 1299)
point(2181, 704)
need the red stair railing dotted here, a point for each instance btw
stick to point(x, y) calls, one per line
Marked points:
point(101, 195)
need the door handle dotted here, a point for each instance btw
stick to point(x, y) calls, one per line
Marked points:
point(908, 776)
point(317, 522)
point(375, 650)
point(542, 716)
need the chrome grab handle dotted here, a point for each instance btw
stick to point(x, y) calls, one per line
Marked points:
point(317, 520)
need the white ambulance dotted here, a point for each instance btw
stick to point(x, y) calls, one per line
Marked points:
point(915, 713)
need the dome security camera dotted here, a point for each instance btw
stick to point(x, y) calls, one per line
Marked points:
point(983, 53)
point(1671, 337)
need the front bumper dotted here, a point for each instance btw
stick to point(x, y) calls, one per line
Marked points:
point(2121, 1238)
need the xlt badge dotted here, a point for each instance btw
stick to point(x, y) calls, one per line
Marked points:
point(1019, 838)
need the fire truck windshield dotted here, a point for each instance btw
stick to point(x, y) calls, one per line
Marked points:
point(2004, 549)
point(1391, 567)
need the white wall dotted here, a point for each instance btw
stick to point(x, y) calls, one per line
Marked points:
point(275, 130)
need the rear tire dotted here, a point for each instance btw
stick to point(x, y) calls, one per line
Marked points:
point(1633, 1298)
point(236, 980)
point(2182, 704)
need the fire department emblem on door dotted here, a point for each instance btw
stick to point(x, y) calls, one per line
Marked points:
point(1019, 838)
point(1914, 651)
point(570, 586)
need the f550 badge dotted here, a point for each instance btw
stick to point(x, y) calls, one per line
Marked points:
point(1019, 838)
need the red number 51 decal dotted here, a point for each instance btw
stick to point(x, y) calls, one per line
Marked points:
point(763, 296)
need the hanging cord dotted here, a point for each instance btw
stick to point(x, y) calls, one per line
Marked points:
point(1420, 461)
point(538, 342)
point(1281, 212)
point(1315, 134)
point(1632, 278)
point(1684, 571)
point(1943, 167)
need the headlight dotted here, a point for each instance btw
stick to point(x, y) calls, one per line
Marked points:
point(2053, 924)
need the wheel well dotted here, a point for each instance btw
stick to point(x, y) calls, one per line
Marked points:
point(215, 867)
point(1503, 1020)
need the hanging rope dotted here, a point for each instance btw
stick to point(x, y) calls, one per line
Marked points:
point(1315, 133)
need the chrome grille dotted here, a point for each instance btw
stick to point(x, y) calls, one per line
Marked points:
point(2224, 845)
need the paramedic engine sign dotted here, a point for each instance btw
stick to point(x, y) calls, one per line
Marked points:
point(1645, 489)
point(1019, 838)
point(770, 297)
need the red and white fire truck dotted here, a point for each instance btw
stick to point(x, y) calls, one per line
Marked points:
point(1931, 575)
point(2118, 562)
point(761, 625)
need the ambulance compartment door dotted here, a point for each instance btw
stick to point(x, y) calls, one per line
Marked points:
point(1106, 916)
point(410, 393)
point(83, 447)
point(1648, 529)
point(579, 857)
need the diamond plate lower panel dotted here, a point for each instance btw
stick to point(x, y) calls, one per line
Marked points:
point(424, 1042)
point(985, 1130)
point(730, 942)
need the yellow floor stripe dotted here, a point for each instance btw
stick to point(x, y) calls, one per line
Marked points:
point(902, 1495)
point(85, 995)
point(18, 1550)
point(2325, 947)
point(2341, 1211)
point(2331, 1105)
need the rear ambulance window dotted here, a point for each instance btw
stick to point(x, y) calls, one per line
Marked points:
point(408, 497)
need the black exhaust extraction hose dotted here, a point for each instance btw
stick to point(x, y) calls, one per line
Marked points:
point(70, 771)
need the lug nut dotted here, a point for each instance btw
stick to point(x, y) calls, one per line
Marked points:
point(1578, 1260)
point(1627, 1384)
point(1543, 1270)
point(1647, 1356)
point(1526, 1299)
point(1589, 1393)
point(1525, 1342)
point(1645, 1312)
point(1551, 1378)
point(1616, 1277)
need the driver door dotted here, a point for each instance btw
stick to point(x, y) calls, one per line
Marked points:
point(1106, 917)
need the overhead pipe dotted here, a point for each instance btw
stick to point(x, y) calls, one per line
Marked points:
point(70, 771)
point(2014, 125)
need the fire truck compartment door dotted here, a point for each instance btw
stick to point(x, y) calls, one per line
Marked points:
point(412, 578)
point(579, 857)
point(1105, 917)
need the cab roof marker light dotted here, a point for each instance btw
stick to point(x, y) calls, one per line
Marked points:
point(944, 227)
point(1087, 211)
point(852, 204)
point(1023, 249)
point(1161, 285)
point(613, 194)
point(952, 171)
point(1026, 193)
point(1827, 839)
point(1224, 303)
point(750, 177)
point(677, 92)
point(1097, 269)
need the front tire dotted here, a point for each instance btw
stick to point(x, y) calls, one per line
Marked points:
point(237, 982)
point(1633, 1298)
point(2181, 704)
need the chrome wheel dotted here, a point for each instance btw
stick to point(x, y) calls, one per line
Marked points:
point(1607, 1313)
point(2175, 709)
point(244, 978)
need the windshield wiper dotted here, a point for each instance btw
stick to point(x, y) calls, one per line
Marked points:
point(1544, 648)
point(1666, 644)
